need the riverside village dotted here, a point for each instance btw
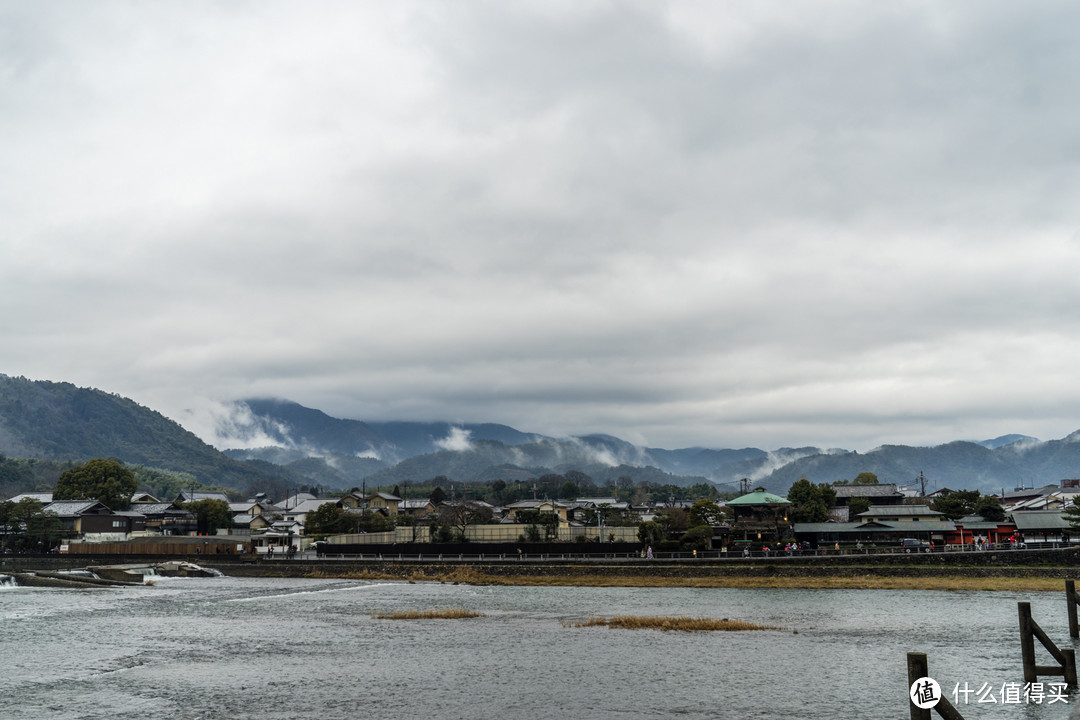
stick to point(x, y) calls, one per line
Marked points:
point(858, 517)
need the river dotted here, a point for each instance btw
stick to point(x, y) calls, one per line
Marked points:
point(259, 648)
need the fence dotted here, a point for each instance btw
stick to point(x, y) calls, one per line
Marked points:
point(199, 545)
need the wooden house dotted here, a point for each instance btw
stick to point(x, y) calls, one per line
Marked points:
point(760, 516)
point(90, 518)
point(381, 502)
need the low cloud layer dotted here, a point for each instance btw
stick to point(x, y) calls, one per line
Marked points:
point(457, 440)
point(724, 224)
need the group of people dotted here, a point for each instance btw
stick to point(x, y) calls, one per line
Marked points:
point(794, 547)
point(790, 548)
point(290, 552)
point(1016, 540)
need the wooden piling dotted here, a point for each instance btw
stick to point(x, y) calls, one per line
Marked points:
point(917, 668)
point(1070, 598)
point(1027, 643)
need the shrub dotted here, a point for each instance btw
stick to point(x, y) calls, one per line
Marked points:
point(699, 538)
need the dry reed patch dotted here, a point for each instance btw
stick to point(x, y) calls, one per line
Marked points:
point(441, 614)
point(667, 624)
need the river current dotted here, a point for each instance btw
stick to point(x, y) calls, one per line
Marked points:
point(259, 648)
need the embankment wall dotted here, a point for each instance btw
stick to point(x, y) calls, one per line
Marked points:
point(1032, 563)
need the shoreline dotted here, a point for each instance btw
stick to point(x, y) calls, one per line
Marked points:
point(1034, 571)
point(823, 581)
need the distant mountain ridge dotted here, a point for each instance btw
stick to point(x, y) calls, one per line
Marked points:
point(465, 452)
point(287, 444)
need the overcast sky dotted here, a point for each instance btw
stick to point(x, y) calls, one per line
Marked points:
point(725, 224)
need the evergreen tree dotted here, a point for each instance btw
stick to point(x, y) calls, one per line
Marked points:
point(989, 508)
point(958, 503)
point(210, 515)
point(1072, 515)
point(107, 481)
point(811, 502)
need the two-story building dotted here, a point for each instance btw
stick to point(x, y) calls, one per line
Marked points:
point(760, 516)
point(543, 506)
point(94, 521)
point(381, 502)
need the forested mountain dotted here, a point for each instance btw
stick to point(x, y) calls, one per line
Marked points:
point(58, 421)
point(956, 465)
point(308, 431)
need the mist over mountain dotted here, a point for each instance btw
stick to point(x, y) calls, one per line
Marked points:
point(277, 442)
point(475, 452)
point(1008, 440)
point(397, 452)
point(989, 467)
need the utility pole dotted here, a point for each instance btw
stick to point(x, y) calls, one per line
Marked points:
point(922, 483)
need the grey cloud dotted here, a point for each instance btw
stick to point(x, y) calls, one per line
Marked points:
point(688, 223)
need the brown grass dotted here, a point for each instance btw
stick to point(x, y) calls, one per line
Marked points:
point(667, 624)
point(441, 614)
point(472, 576)
point(457, 575)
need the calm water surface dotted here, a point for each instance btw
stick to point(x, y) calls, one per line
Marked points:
point(239, 648)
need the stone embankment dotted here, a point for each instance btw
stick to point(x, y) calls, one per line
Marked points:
point(1019, 564)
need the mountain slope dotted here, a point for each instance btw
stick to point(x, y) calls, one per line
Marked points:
point(956, 465)
point(58, 421)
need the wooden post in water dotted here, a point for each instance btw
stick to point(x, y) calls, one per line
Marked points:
point(917, 668)
point(1029, 630)
point(1070, 598)
point(1027, 643)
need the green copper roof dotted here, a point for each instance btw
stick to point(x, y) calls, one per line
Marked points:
point(759, 497)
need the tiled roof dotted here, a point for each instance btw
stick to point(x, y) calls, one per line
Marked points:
point(888, 490)
point(309, 506)
point(905, 510)
point(295, 500)
point(187, 496)
point(41, 497)
point(883, 527)
point(69, 508)
point(156, 508)
point(1032, 520)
